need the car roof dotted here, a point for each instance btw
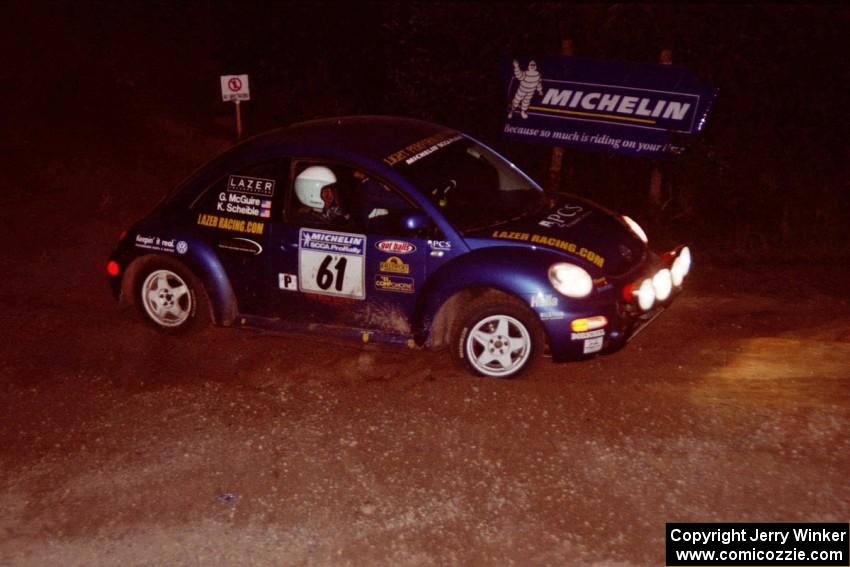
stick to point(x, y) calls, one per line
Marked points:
point(370, 137)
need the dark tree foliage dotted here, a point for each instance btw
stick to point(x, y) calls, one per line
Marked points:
point(768, 177)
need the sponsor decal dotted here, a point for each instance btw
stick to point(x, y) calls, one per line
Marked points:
point(508, 235)
point(398, 284)
point(339, 242)
point(580, 251)
point(593, 345)
point(587, 335)
point(395, 247)
point(425, 147)
point(570, 247)
point(287, 281)
point(227, 223)
point(394, 265)
point(440, 245)
point(160, 244)
point(564, 217)
point(251, 185)
point(541, 300)
point(242, 245)
point(552, 315)
point(332, 263)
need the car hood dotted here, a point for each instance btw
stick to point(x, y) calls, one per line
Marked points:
point(584, 231)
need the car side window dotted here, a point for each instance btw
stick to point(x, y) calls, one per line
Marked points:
point(254, 192)
point(339, 197)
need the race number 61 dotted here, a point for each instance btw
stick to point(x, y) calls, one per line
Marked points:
point(331, 272)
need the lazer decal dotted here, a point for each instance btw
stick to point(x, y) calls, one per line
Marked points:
point(251, 185)
point(398, 284)
point(394, 265)
point(422, 148)
point(508, 235)
point(161, 245)
point(226, 223)
point(331, 263)
point(287, 281)
point(570, 247)
point(395, 247)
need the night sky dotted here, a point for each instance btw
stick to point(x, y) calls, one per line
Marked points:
point(768, 178)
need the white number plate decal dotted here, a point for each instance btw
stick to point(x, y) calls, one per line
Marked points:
point(332, 263)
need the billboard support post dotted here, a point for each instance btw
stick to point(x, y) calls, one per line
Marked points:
point(556, 164)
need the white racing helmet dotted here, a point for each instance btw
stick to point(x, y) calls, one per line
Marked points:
point(309, 183)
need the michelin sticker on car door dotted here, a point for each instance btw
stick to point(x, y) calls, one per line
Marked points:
point(331, 263)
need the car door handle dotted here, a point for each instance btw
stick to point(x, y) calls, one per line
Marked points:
point(241, 245)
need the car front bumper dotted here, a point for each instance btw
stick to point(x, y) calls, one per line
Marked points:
point(578, 333)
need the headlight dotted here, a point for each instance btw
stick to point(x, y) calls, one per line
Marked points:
point(636, 229)
point(570, 280)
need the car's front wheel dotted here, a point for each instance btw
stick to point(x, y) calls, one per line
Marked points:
point(170, 297)
point(498, 337)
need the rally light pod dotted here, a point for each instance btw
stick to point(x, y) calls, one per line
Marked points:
point(662, 283)
point(681, 266)
point(646, 295)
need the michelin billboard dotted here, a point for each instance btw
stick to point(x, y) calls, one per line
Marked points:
point(627, 108)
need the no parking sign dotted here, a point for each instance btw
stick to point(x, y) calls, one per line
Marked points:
point(235, 87)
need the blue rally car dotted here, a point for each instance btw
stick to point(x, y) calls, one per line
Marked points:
point(396, 230)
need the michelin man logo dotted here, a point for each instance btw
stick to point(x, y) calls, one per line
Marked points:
point(530, 80)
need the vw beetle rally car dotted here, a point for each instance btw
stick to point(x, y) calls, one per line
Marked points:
point(395, 230)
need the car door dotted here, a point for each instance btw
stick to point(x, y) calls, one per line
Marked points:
point(234, 215)
point(360, 270)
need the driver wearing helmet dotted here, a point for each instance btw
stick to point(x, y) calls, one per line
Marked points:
point(317, 191)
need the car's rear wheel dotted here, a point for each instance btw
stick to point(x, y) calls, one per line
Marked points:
point(498, 337)
point(170, 297)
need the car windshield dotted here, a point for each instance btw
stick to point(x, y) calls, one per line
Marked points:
point(474, 187)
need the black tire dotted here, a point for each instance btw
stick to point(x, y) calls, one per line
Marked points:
point(169, 296)
point(497, 336)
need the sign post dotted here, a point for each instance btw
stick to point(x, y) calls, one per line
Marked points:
point(236, 88)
